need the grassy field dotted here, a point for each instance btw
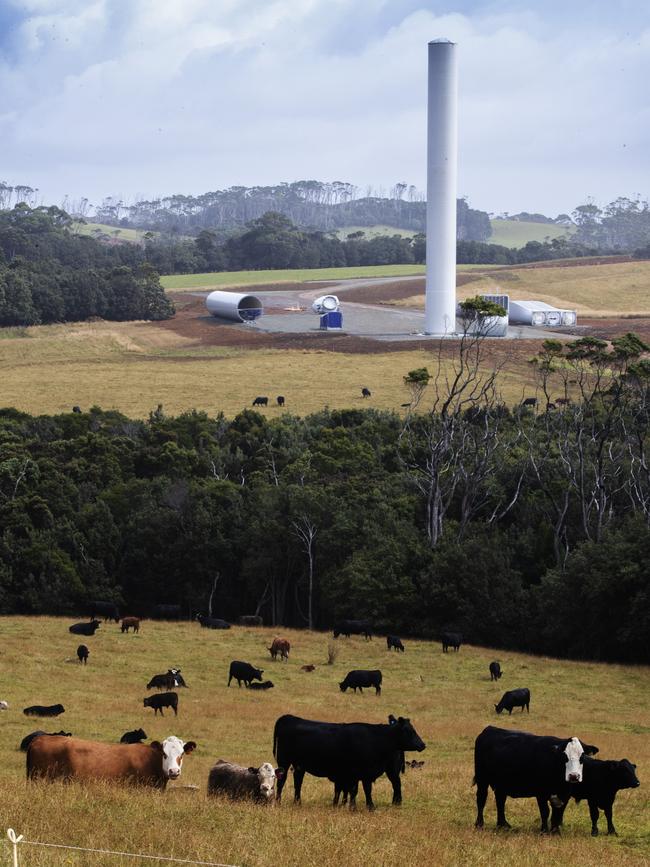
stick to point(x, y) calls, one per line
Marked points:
point(515, 233)
point(119, 232)
point(374, 231)
point(449, 699)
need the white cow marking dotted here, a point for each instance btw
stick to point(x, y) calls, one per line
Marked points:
point(173, 750)
point(266, 774)
point(573, 752)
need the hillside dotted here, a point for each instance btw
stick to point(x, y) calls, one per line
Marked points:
point(516, 233)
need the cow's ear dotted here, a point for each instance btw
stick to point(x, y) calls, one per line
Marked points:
point(589, 749)
point(156, 745)
point(189, 747)
point(391, 719)
point(253, 770)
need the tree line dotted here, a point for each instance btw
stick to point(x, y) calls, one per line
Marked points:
point(522, 528)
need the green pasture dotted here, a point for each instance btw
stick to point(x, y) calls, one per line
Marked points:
point(515, 233)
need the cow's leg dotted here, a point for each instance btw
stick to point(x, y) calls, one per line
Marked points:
point(367, 791)
point(544, 811)
point(175, 708)
point(500, 798)
point(298, 777)
point(378, 690)
point(607, 809)
point(396, 783)
point(337, 794)
point(281, 781)
point(354, 788)
point(594, 815)
point(481, 798)
point(229, 679)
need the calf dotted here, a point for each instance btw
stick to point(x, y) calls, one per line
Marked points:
point(451, 639)
point(514, 698)
point(601, 780)
point(365, 392)
point(26, 741)
point(4, 705)
point(83, 653)
point(235, 781)
point(261, 401)
point(280, 646)
point(133, 737)
point(163, 699)
point(495, 671)
point(280, 400)
point(85, 628)
point(244, 671)
point(394, 641)
point(131, 623)
point(359, 679)
point(48, 710)
point(266, 684)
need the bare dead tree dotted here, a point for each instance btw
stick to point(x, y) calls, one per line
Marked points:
point(212, 591)
point(305, 530)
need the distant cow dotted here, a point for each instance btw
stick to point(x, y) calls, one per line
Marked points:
point(170, 680)
point(280, 646)
point(451, 639)
point(495, 671)
point(392, 641)
point(4, 705)
point(212, 622)
point(180, 681)
point(514, 698)
point(365, 392)
point(83, 653)
point(163, 699)
point(47, 710)
point(309, 667)
point(415, 764)
point(601, 780)
point(250, 620)
point(280, 400)
point(562, 401)
point(133, 737)
point(76, 409)
point(26, 741)
point(258, 784)
point(244, 671)
point(107, 610)
point(166, 612)
point(360, 678)
point(85, 628)
point(353, 627)
point(71, 758)
point(266, 684)
point(261, 401)
point(529, 401)
point(131, 623)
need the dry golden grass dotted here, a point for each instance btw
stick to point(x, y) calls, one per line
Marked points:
point(448, 697)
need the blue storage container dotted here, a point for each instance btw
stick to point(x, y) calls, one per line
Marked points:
point(331, 320)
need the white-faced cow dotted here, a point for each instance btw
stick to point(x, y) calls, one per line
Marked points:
point(236, 781)
point(75, 759)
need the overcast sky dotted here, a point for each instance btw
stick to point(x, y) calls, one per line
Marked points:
point(142, 98)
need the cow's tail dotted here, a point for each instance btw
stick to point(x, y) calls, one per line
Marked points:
point(275, 739)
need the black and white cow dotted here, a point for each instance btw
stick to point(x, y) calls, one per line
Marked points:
point(244, 671)
point(358, 679)
point(236, 781)
point(514, 698)
point(522, 765)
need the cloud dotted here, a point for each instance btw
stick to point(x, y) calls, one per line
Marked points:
point(160, 96)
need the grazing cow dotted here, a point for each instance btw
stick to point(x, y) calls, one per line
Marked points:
point(4, 705)
point(47, 710)
point(85, 628)
point(257, 784)
point(529, 401)
point(244, 671)
point(266, 684)
point(521, 765)
point(353, 627)
point(280, 400)
point(365, 392)
point(357, 679)
point(261, 401)
point(451, 639)
point(309, 667)
point(26, 741)
point(162, 681)
point(212, 622)
point(133, 737)
point(601, 780)
point(131, 623)
point(250, 620)
point(72, 758)
point(562, 401)
point(83, 653)
point(344, 752)
point(495, 671)
point(166, 612)
point(514, 698)
point(76, 409)
point(394, 641)
point(163, 699)
point(280, 646)
point(107, 610)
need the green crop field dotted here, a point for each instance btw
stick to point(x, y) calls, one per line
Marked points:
point(448, 697)
point(515, 233)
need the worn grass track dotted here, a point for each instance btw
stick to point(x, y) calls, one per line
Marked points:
point(448, 697)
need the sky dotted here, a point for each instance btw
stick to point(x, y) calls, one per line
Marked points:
point(146, 98)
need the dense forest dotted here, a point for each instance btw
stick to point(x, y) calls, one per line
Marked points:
point(522, 528)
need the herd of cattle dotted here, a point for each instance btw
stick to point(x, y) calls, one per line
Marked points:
point(512, 763)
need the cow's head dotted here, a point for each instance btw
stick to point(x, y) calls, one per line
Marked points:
point(573, 753)
point(172, 751)
point(267, 779)
point(257, 675)
point(408, 738)
point(623, 775)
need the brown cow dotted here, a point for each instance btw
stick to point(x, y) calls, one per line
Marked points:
point(57, 757)
point(280, 646)
point(131, 623)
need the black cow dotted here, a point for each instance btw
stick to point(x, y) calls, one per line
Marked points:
point(394, 767)
point(451, 639)
point(212, 622)
point(601, 780)
point(170, 680)
point(521, 765)
point(85, 628)
point(353, 627)
point(180, 681)
point(163, 699)
point(261, 401)
point(495, 671)
point(48, 710)
point(166, 612)
point(83, 653)
point(107, 610)
point(266, 684)
point(529, 401)
point(344, 752)
point(76, 409)
point(514, 698)
point(360, 678)
point(244, 671)
point(394, 641)
point(26, 741)
point(365, 392)
point(280, 400)
point(133, 737)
